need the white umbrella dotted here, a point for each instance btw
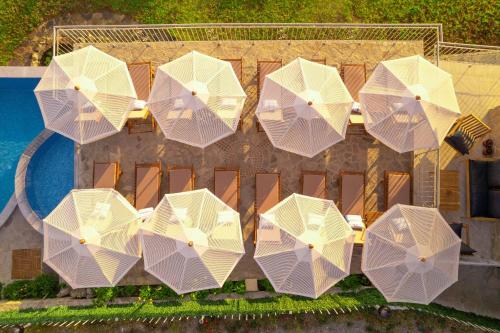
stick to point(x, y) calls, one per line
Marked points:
point(409, 104)
point(304, 245)
point(85, 95)
point(411, 254)
point(304, 107)
point(91, 238)
point(192, 241)
point(197, 99)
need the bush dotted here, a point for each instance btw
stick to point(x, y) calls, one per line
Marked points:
point(103, 296)
point(127, 291)
point(237, 287)
point(44, 286)
point(265, 285)
point(353, 282)
point(17, 290)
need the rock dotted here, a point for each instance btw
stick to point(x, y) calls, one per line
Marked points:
point(78, 293)
point(89, 293)
point(64, 292)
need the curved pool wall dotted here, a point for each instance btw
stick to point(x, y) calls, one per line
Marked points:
point(50, 174)
point(21, 123)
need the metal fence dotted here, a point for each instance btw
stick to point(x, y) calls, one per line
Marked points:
point(67, 36)
point(470, 53)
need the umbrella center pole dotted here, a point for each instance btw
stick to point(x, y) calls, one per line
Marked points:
point(311, 246)
point(422, 259)
point(190, 243)
point(82, 241)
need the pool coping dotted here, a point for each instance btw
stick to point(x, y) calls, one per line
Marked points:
point(17, 72)
point(20, 181)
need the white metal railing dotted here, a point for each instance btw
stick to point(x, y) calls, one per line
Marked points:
point(66, 36)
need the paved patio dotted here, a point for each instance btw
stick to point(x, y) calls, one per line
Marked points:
point(249, 149)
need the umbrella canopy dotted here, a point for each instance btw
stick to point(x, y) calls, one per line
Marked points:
point(304, 245)
point(197, 99)
point(304, 107)
point(85, 95)
point(91, 238)
point(192, 241)
point(409, 104)
point(411, 254)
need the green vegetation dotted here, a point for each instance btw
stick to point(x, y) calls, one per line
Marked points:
point(280, 304)
point(467, 21)
point(353, 282)
point(44, 286)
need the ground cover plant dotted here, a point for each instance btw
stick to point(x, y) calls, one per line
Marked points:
point(465, 21)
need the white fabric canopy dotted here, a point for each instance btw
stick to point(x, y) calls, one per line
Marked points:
point(91, 238)
point(197, 99)
point(411, 254)
point(409, 104)
point(304, 245)
point(192, 241)
point(304, 107)
point(85, 95)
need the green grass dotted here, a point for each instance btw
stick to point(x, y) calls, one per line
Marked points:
point(281, 305)
point(467, 21)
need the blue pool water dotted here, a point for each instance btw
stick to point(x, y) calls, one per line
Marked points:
point(20, 123)
point(50, 174)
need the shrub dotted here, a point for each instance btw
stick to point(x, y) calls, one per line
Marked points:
point(127, 291)
point(237, 287)
point(265, 285)
point(103, 296)
point(353, 282)
point(44, 286)
point(17, 290)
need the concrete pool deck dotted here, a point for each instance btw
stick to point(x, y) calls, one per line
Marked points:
point(248, 149)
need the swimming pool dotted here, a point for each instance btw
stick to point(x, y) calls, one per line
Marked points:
point(21, 123)
point(50, 174)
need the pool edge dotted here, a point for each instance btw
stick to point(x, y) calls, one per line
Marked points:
point(20, 181)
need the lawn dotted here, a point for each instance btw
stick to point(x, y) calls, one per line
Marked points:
point(466, 21)
point(327, 304)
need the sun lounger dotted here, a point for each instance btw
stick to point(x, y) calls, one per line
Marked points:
point(147, 185)
point(106, 175)
point(314, 184)
point(227, 186)
point(354, 77)
point(397, 188)
point(319, 61)
point(352, 200)
point(267, 194)
point(180, 179)
point(141, 74)
point(265, 67)
point(237, 65)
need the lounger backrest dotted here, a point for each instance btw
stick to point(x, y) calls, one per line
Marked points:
point(314, 185)
point(267, 191)
point(147, 185)
point(105, 175)
point(237, 65)
point(352, 196)
point(354, 76)
point(140, 73)
point(180, 180)
point(398, 188)
point(264, 68)
point(226, 187)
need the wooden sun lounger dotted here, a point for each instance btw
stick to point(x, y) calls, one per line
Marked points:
point(227, 186)
point(319, 61)
point(397, 188)
point(352, 198)
point(267, 195)
point(180, 179)
point(147, 185)
point(314, 184)
point(354, 77)
point(237, 65)
point(141, 74)
point(106, 174)
point(265, 67)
